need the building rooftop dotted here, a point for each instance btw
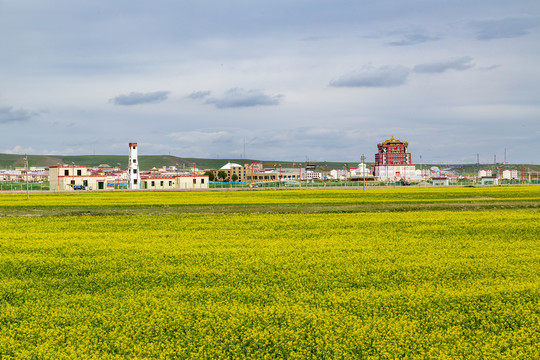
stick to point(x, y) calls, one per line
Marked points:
point(392, 140)
point(229, 166)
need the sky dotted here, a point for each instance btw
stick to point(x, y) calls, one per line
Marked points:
point(289, 80)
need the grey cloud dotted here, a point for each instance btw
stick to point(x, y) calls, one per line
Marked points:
point(462, 63)
point(199, 94)
point(414, 38)
point(236, 97)
point(141, 98)
point(9, 115)
point(504, 28)
point(385, 76)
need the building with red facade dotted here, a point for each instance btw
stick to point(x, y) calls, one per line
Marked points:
point(393, 162)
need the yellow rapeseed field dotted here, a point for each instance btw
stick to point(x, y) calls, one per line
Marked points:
point(375, 285)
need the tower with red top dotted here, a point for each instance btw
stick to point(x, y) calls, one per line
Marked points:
point(393, 152)
point(393, 161)
point(134, 177)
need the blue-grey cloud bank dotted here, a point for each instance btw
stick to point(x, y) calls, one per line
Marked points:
point(322, 80)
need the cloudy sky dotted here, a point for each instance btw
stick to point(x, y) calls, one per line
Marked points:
point(322, 80)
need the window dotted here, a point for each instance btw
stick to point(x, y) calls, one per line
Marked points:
point(161, 183)
point(194, 181)
point(79, 172)
point(202, 181)
point(72, 182)
point(85, 182)
point(66, 172)
point(134, 171)
point(170, 183)
point(134, 161)
point(153, 183)
point(135, 181)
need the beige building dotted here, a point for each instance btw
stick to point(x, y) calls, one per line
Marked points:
point(255, 173)
point(63, 178)
point(66, 177)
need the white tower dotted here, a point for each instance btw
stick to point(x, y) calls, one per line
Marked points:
point(133, 168)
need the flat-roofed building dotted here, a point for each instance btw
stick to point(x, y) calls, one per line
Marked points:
point(175, 182)
point(66, 177)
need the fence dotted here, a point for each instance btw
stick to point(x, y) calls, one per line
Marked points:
point(21, 186)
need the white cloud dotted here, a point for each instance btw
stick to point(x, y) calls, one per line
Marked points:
point(18, 149)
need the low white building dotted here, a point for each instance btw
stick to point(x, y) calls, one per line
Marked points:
point(423, 174)
point(361, 171)
point(489, 180)
point(339, 174)
point(395, 172)
point(181, 182)
point(313, 175)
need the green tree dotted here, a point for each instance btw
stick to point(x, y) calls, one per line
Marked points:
point(222, 175)
point(210, 174)
point(234, 177)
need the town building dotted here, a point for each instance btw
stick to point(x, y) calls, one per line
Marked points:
point(171, 182)
point(510, 174)
point(441, 180)
point(66, 177)
point(255, 172)
point(393, 161)
point(485, 172)
point(489, 180)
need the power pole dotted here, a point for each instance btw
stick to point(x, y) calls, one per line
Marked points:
point(26, 171)
point(364, 171)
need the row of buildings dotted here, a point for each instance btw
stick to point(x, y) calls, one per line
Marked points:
point(393, 162)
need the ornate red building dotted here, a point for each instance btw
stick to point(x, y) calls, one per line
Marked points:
point(393, 161)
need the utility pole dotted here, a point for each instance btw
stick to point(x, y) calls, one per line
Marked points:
point(364, 171)
point(26, 171)
point(345, 175)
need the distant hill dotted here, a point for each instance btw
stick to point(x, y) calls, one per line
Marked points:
point(147, 162)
